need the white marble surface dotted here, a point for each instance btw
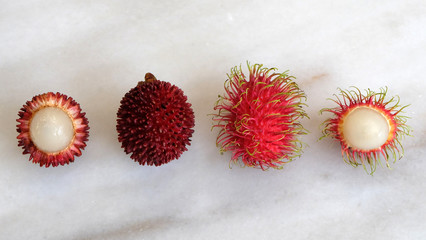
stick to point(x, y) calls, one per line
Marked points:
point(95, 51)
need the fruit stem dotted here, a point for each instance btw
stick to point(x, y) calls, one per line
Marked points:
point(149, 77)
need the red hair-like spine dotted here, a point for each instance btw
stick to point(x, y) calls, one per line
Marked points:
point(259, 117)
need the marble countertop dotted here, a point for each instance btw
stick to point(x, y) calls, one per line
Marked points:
point(95, 51)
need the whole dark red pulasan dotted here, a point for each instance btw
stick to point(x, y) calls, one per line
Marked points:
point(155, 122)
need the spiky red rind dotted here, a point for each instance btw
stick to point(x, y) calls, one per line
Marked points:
point(80, 124)
point(154, 122)
point(390, 109)
point(259, 117)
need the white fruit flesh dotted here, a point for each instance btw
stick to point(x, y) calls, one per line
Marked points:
point(51, 129)
point(365, 129)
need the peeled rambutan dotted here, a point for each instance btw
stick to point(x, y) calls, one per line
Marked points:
point(367, 126)
point(52, 129)
point(154, 122)
point(259, 117)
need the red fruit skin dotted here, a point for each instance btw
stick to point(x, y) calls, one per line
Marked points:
point(390, 109)
point(80, 122)
point(154, 122)
point(259, 117)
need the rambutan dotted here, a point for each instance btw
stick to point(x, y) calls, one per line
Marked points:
point(155, 122)
point(367, 126)
point(259, 117)
point(52, 129)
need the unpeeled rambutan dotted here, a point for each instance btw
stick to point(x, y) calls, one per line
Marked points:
point(155, 122)
point(52, 129)
point(367, 126)
point(259, 117)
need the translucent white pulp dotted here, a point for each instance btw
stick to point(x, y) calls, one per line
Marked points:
point(365, 128)
point(51, 129)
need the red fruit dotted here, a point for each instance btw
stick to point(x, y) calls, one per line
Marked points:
point(155, 122)
point(367, 126)
point(52, 129)
point(259, 117)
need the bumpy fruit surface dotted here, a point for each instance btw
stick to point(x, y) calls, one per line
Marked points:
point(52, 129)
point(155, 122)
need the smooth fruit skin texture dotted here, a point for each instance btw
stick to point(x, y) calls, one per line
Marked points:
point(154, 122)
point(259, 117)
point(54, 108)
point(381, 118)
